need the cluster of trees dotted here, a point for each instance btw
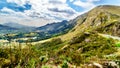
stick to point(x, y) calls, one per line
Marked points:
point(32, 36)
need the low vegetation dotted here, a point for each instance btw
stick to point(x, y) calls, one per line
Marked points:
point(53, 53)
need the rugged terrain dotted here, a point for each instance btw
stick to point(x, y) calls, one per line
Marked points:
point(94, 38)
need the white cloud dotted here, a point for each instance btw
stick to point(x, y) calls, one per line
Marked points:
point(40, 12)
point(92, 0)
point(43, 11)
point(25, 20)
point(5, 9)
point(71, 0)
point(42, 7)
point(18, 2)
point(87, 5)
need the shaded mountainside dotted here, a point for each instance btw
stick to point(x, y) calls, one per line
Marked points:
point(22, 28)
point(2, 27)
point(11, 28)
point(56, 28)
point(60, 27)
point(6, 29)
point(15, 25)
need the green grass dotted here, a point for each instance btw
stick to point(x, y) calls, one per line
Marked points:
point(118, 44)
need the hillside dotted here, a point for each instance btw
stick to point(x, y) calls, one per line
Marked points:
point(97, 18)
point(56, 28)
point(94, 40)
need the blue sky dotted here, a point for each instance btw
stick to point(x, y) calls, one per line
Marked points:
point(41, 12)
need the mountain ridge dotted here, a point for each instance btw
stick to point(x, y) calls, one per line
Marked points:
point(6, 29)
point(94, 18)
point(15, 25)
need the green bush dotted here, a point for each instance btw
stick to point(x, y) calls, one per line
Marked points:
point(52, 43)
point(65, 65)
point(118, 44)
point(79, 39)
point(3, 54)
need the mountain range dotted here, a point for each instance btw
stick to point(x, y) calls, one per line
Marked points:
point(6, 29)
point(51, 29)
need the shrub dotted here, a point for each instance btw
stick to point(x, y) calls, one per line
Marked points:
point(3, 54)
point(65, 65)
point(31, 63)
point(79, 39)
point(118, 44)
point(51, 43)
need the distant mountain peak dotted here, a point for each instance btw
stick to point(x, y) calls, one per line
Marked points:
point(3, 27)
point(14, 25)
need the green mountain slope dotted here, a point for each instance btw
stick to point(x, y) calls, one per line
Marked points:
point(84, 41)
point(97, 18)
